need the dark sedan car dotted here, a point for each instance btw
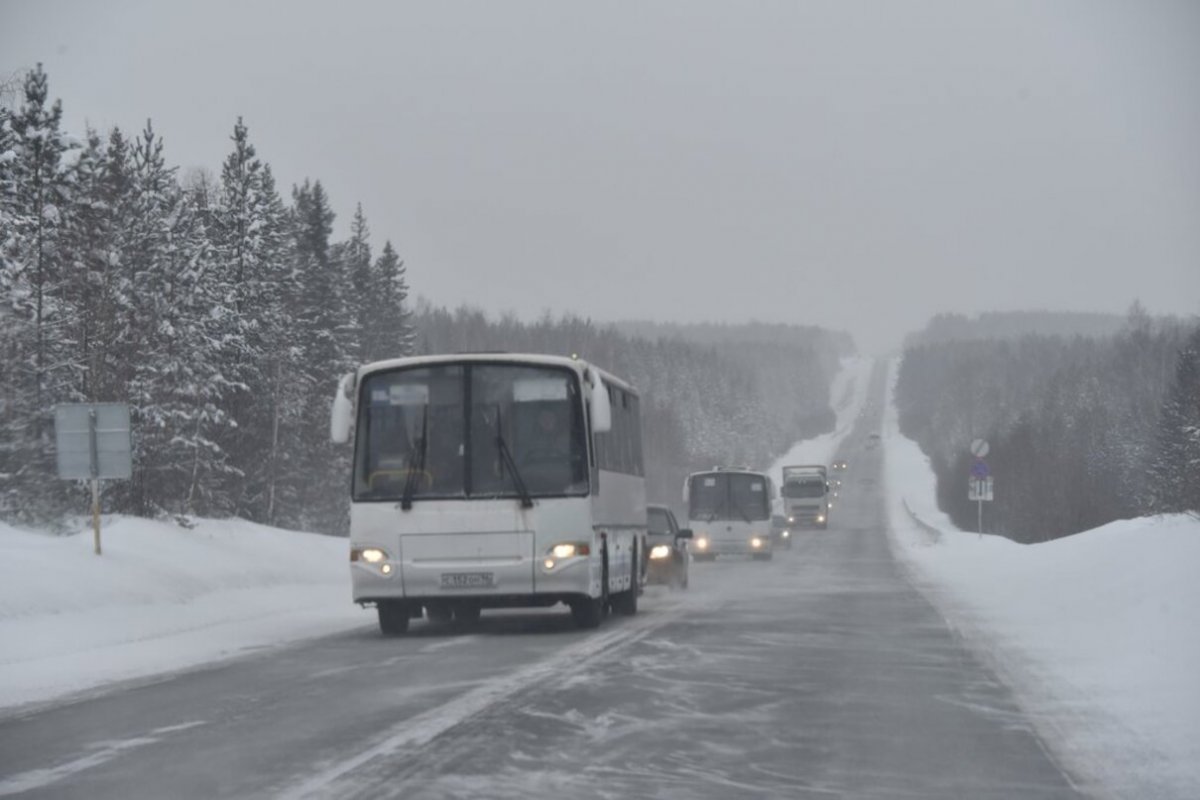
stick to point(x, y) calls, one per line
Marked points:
point(666, 544)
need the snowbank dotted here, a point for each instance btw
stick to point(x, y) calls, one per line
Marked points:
point(161, 598)
point(1098, 633)
point(847, 394)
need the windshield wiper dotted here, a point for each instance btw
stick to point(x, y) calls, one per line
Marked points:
point(738, 508)
point(510, 462)
point(410, 482)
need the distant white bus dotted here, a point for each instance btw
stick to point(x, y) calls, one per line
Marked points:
point(492, 480)
point(729, 512)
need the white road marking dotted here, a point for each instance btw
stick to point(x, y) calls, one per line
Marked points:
point(105, 752)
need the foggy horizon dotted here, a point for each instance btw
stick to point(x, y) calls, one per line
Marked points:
point(858, 167)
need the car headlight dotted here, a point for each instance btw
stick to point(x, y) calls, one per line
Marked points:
point(702, 543)
point(820, 518)
point(787, 534)
point(660, 551)
point(756, 542)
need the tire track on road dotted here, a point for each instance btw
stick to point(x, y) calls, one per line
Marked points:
point(361, 774)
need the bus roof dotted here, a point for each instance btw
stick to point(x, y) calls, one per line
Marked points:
point(577, 364)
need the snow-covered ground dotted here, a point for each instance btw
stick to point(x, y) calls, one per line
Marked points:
point(1098, 633)
point(162, 598)
point(847, 394)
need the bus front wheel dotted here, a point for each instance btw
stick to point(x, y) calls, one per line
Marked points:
point(393, 617)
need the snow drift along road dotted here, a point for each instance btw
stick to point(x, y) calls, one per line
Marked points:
point(161, 598)
point(1096, 632)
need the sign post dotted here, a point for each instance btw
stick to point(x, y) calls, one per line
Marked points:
point(92, 442)
point(979, 487)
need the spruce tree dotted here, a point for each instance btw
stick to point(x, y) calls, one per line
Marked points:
point(389, 333)
point(312, 468)
point(247, 231)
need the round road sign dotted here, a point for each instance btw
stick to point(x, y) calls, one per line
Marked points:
point(979, 448)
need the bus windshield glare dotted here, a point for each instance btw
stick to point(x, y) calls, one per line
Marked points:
point(440, 431)
point(728, 496)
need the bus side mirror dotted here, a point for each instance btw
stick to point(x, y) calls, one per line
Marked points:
point(342, 413)
point(601, 408)
point(683, 533)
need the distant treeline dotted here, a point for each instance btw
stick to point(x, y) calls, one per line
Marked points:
point(725, 334)
point(1015, 325)
point(742, 399)
point(1083, 430)
point(224, 313)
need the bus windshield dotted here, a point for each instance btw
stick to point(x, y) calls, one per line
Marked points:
point(728, 496)
point(441, 431)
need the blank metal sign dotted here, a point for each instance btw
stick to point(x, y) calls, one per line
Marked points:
point(72, 437)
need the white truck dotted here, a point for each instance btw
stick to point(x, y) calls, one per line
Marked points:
point(805, 495)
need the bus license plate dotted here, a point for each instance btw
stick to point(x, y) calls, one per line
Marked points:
point(468, 580)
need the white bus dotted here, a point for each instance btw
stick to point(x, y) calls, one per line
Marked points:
point(729, 512)
point(492, 480)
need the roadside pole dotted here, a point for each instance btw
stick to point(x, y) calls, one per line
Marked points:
point(95, 467)
point(979, 485)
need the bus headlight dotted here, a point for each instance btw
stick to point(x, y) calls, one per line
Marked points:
point(561, 552)
point(756, 542)
point(570, 550)
point(371, 555)
point(659, 551)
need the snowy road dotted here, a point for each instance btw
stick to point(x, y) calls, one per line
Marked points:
point(821, 674)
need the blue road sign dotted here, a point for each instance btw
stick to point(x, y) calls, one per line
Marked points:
point(980, 469)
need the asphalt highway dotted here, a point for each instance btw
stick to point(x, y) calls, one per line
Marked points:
point(823, 673)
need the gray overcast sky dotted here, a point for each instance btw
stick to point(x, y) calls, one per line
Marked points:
point(854, 165)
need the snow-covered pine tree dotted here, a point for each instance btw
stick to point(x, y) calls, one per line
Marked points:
point(41, 360)
point(176, 317)
point(247, 230)
point(282, 397)
point(14, 405)
point(1176, 466)
point(389, 333)
point(89, 242)
point(355, 257)
point(311, 468)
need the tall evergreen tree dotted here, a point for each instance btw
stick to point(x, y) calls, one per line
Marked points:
point(1176, 465)
point(247, 230)
point(356, 269)
point(312, 468)
point(388, 332)
point(176, 321)
point(42, 362)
